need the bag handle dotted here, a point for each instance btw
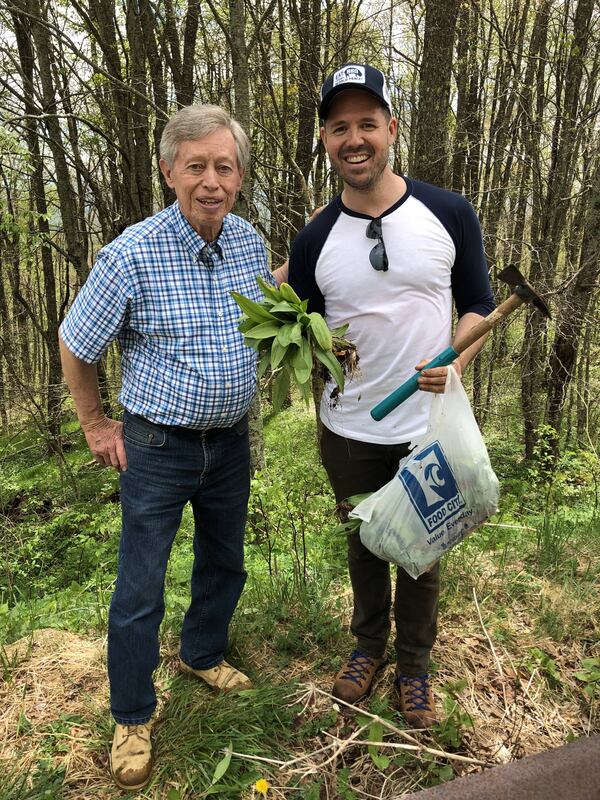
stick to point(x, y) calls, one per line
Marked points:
point(437, 404)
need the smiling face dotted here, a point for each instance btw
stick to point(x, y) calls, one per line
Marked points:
point(206, 178)
point(357, 135)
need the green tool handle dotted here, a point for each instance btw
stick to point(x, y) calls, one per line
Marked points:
point(410, 386)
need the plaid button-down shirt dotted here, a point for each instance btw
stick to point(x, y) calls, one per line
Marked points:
point(164, 293)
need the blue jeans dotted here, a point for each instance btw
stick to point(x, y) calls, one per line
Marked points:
point(167, 467)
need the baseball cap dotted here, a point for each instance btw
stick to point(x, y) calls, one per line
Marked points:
point(354, 76)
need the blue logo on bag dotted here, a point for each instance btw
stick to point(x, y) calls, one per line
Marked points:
point(432, 487)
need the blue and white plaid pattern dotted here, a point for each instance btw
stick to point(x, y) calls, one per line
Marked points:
point(164, 293)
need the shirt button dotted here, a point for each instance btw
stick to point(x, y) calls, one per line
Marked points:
point(219, 314)
point(224, 348)
point(228, 386)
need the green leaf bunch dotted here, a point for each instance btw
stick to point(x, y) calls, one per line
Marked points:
point(590, 675)
point(290, 341)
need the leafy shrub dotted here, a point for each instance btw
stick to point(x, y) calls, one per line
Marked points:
point(291, 508)
point(45, 555)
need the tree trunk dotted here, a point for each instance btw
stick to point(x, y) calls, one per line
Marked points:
point(306, 16)
point(76, 248)
point(48, 327)
point(550, 205)
point(139, 125)
point(431, 141)
point(239, 59)
point(573, 312)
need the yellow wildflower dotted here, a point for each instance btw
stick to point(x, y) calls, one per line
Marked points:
point(261, 786)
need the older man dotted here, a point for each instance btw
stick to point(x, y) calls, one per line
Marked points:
point(388, 256)
point(163, 290)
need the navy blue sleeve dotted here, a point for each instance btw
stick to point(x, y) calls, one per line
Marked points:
point(305, 252)
point(470, 279)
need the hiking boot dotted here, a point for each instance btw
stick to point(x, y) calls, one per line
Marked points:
point(415, 700)
point(223, 677)
point(354, 680)
point(131, 755)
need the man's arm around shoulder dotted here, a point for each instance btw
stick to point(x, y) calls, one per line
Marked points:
point(281, 274)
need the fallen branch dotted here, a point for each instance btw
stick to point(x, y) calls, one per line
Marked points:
point(337, 746)
point(493, 649)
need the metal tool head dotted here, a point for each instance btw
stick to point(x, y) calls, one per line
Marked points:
point(526, 292)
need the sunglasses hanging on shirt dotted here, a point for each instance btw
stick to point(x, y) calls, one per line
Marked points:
point(378, 255)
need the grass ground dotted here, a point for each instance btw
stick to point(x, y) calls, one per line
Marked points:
point(516, 666)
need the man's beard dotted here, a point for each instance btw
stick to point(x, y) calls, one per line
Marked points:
point(370, 180)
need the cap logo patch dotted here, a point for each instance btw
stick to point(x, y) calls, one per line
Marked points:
point(350, 74)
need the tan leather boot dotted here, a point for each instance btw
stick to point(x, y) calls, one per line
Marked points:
point(131, 756)
point(223, 677)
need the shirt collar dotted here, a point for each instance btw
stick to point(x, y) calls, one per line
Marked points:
point(192, 240)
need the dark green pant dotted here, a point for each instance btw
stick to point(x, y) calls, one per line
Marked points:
point(355, 467)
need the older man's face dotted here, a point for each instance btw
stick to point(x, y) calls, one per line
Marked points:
point(206, 178)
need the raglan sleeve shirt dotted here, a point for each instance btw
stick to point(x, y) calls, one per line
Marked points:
point(396, 318)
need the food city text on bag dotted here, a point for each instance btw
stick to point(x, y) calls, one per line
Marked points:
point(443, 490)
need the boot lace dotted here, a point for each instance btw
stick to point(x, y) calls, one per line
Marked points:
point(358, 667)
point(141, 732)
point(416, 691)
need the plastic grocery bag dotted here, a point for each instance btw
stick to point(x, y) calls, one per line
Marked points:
point(443, 490)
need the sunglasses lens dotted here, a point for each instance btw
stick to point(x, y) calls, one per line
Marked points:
point(378, 258)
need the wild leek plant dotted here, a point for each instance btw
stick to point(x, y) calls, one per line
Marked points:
point(292, 343)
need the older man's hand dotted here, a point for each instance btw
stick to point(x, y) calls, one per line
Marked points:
point(105, 440)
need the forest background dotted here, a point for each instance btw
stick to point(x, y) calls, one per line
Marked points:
point(497, 100)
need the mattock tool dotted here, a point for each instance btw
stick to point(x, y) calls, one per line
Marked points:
point(523, 293)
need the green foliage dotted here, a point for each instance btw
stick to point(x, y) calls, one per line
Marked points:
point(294, 619)
point(375, 734)
point(42, 781)
point(57, 732)
point(312, 791)
point(318, 723)
point(76, 608)
point(437, 773)
point(589, 674)
point(344, 786)
point(541, 661)
point(289, 340)
point(222, 766)
point(352, 524)
point(196, 724)
point(569, 477)
point(552, 623)
point(448, 731)
point(536, 552)
point(553, 535)
point(381, 706)
point(291, 502)
point(54, 534)
point(64, 549)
